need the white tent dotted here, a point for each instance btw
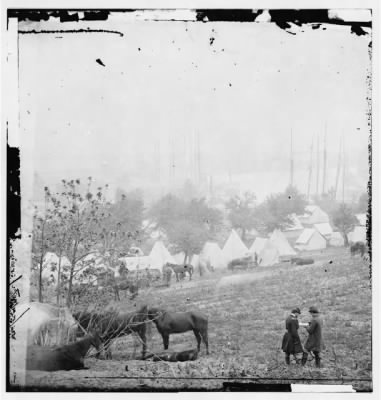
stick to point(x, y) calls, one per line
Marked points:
point(313, 215)
point(160, 255)
point(211, 254)
point(50, 265)
point(361, 219)
point(311, 239)
point(269, 254)
point(324, 229)
point(336, 239)
point(234, 248)
point(358, 234)
point(258, 245)
point(195, 261)
point(137, 263)
point(281, 243)
point(179, 257)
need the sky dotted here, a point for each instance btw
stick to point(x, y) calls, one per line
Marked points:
point(240, 88)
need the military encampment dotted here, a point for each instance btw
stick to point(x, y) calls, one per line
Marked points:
point(195, 208)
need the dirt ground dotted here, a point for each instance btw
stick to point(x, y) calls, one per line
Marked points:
point(246, 312)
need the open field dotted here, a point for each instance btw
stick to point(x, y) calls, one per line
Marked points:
point(246, 325)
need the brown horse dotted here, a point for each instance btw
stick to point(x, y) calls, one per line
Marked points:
point(358, 247)
point(68, 357)
point(113, 325)
point(179, 322)
point(186, 355)
point(181, 270)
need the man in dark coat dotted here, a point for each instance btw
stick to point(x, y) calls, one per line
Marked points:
point(314, 341)
point(291, 343)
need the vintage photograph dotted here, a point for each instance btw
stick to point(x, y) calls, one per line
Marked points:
point(189, 199)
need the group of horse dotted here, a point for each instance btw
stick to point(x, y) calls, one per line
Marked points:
point(100, 330)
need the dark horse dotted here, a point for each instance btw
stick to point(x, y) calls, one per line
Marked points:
point(186, 355)
point(241, 263)
point(301, 261)
point(126, 285)
point(113, 325)
point(179, 322)
point(358, 247)
point(181, 270)
point(68, 357)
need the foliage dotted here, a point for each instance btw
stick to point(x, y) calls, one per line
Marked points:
point(187, 224)
point(79, 223)
point(276, 211)
point(327, 202)
point(362, 205)
point(242, 212)
point(344, 220)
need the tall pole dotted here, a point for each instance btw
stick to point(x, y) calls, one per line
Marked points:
point(291, 164)
point(343, 171)
point(310, 171)
point(317, 166)
point(198, 158)
point(338, 167)
point(324, 159)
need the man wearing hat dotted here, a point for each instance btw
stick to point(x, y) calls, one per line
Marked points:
point(314, 341)
point(291, 343)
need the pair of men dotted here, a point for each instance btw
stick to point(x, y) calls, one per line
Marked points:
point(291, 343)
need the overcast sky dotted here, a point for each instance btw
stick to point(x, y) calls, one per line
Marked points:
point(242, 87)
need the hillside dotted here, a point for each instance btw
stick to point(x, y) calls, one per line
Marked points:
point(246, 323)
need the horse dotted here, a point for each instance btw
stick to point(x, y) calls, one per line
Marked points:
point(113, 325)
point(68, 357)
point(181, 270)
point(167, 274)
point(302, 261)
point(129, 285)
point(186, 355)
point(358, 247)
point(240, 263)
point(179, 322)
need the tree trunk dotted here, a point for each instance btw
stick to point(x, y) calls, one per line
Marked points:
point(243, 234)
point(59, 279)
point(40, 278)
point(346, 241)
point(68, 300)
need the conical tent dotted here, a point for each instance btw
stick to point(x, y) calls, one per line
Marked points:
point(336, 239)
point(50, 265)
point(310, 239)
point(211, 254)
point(179, 257)
point(269, 255)
point(195, 260)
point(324, 229)
point(234, 248)
point(258, 245)
point(358, 234)
point(160, 255)
point(281, 243)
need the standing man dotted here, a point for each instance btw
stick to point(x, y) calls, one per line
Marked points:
point(291, 343)
point(314, 341)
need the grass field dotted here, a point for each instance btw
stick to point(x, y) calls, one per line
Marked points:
point(246, 323)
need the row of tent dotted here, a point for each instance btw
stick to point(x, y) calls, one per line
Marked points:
point(269, 251)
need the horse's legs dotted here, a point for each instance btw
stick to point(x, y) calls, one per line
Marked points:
point(143, 337)
point(190, 275)
point(165, 341)
point(198, 338)
point(204, 335)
